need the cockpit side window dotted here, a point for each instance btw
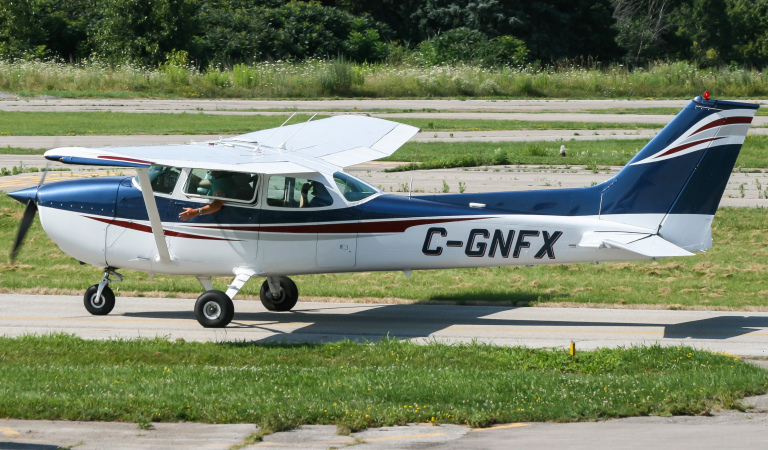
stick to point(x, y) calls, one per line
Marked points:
point(291, 192)
point(220, 184)
point(353, 189)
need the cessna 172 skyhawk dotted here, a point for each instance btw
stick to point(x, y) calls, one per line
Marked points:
point(277, 202)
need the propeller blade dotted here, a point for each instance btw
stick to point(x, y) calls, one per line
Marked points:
point(26, 222)
point(42, 178)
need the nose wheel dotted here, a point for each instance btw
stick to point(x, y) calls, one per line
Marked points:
point(99, 305)
point(99, 299)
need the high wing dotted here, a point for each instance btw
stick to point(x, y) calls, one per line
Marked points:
point(324, 145)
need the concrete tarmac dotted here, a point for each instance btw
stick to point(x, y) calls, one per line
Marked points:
point(740, 333)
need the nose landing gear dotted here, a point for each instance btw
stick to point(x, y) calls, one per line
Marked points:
point(99, 298)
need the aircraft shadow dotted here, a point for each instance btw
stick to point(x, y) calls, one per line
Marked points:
point(23, 446)
point(421, 321)
point(721, 327)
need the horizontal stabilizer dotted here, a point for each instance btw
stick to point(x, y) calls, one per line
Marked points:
point(649, 245)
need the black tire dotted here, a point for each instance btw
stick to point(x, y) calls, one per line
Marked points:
point(214, 309)
point(101, 306)
point(286, 301)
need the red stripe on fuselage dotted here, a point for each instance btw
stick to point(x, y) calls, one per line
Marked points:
point(393, 226)
point(148, 229)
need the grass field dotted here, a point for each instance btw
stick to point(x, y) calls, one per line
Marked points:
point(731, 275)
point(658, 110)
point(354, 386)
point(23, 123)
point(329, 79)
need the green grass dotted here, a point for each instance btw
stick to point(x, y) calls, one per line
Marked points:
point(23, 123)
point(21, 151)
point(731, 275)
point(432, 155)
point(428, 125)
point(16, 170)
point(656, 110)
point(354, 386)
point(324, 79)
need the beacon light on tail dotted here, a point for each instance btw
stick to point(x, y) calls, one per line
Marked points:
point(281, 205)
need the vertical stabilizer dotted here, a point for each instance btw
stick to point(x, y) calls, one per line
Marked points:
point(675, 183)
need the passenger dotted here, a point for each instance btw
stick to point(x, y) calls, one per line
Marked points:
point(321, 196)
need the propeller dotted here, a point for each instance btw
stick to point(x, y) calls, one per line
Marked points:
point(26, 222)
point(28, 217)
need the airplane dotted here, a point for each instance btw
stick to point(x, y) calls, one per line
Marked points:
point(277, 202)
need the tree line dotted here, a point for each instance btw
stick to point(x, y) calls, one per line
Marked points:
point(428, 32)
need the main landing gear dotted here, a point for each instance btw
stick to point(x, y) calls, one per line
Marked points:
point(214, 308)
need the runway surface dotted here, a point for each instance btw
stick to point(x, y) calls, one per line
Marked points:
point(738, 333)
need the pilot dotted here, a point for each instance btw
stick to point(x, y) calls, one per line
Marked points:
point(320, 195)
point(221, 185)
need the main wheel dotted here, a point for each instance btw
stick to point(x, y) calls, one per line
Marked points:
point(283, 302)
point(99, 306)
point(214, 309)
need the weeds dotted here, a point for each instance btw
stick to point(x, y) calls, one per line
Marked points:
point(317, 78)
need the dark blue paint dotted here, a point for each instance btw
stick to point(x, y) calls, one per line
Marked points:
point(87, 195)
point(94, 161)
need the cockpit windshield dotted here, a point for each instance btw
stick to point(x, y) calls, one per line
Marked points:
point(162, 178)
point(353, 189)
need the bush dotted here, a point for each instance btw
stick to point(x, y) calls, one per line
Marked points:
point(462, 45)
point(366, 46)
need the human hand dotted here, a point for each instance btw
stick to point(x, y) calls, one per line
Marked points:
point(188, 213)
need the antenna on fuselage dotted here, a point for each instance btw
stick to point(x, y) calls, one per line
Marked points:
point(410, 189)
point(273, 133)
point(281, 147)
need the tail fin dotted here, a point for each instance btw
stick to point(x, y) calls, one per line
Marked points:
point(675, 183)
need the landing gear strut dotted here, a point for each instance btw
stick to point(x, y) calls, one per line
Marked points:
point(99, 298)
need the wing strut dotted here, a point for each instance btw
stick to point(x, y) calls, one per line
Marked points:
point(154, 215)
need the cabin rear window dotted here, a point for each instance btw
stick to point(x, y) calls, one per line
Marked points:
point(291, 192)
point(220, 184)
